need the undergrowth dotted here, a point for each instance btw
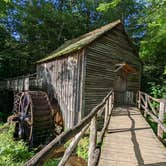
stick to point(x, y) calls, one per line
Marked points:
point(82, 147)
point(12, 153)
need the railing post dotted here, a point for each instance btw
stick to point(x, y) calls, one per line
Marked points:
point(146, 105)
point(92, 141)
point(161, 118)
point(139, 100)
point(106, 112)
point(110, 104)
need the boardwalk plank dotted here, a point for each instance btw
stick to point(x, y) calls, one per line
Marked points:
point(130, 141)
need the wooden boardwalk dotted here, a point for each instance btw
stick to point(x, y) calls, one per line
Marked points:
point(130, 141)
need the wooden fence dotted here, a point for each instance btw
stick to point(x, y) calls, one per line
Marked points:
point(21, 83)
point(76, 133)
point(156, 108)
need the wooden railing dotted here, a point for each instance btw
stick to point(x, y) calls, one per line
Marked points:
point(21, 83)
point(156, 108)
point(76, 133)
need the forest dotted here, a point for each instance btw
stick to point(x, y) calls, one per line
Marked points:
point(30, 30)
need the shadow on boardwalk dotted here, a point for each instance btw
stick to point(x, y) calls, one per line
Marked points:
point(130, 141)
point(135, 142)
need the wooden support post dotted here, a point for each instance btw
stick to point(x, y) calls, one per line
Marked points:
point(110, 104)
point(146, 105)
point(161, 118)
point(106, 112)
point(139, 100)
point(92, 141)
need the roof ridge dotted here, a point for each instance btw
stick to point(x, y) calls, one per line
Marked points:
point(79, 42)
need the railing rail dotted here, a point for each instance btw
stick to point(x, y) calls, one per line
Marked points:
point(21, 83)
point(156, 108)
point(76, 133)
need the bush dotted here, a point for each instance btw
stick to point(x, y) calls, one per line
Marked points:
point(158, 91)
point(82, 148)
point(13, 153)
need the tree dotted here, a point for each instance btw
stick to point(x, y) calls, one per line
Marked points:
point(152, 49)
point(129, 12)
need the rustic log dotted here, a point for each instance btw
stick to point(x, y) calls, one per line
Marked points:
point(101, 136)
point(157, 100)
point(106, 112)
point(161, 118)
point(72, 146)
point(96, 156)
point(92, 140)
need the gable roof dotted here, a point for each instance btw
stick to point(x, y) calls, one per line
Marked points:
point(78, 43)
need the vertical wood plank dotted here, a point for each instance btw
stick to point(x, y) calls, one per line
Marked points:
point(26, 84)
point(92, 140)
point(161, 118)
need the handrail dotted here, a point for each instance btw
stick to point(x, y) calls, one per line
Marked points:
point(78, 131)
point(20, 83)
point(145, 103)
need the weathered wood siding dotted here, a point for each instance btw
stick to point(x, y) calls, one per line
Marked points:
point(101, 57)
point(62, 79)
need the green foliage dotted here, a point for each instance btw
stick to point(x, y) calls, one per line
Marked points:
point(158, 91)
point(82, 148)
point(39, 27)
point(152, 48)
point(105, 6)
point(52, 162)
point(13, 153)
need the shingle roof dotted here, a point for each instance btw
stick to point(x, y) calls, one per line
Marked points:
point(80, 42)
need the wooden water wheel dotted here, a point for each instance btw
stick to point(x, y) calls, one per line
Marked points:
point(35, 118)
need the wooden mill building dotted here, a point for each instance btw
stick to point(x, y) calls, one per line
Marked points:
point(80, 73)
